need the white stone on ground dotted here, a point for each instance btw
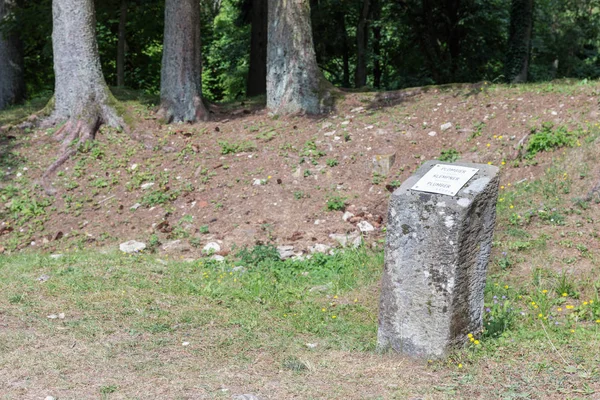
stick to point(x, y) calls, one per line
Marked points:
point(365, 227)
point(132, 246)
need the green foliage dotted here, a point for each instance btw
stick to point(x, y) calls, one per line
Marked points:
point(549, 138)
point(258, 254)
point(236, 147)
point(449, 155)
point(336, 203)
point(159, 197)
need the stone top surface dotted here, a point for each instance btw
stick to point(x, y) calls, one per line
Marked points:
point(471, 189)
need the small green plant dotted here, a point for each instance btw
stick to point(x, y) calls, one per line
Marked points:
point(258, 254)
point(236, 147)
point(203, 229)
point(336, 203)
point(449, 155)
point(549, 138)
point(332, 162)
point(298, 195)
point(377, 178)
point(307, 173)
point(159, 197)
point(500, 313)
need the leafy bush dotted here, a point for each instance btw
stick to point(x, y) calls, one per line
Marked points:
point(548, 139)
point(258, 254)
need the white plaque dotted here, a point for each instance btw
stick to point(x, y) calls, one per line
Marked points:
point(445, 179)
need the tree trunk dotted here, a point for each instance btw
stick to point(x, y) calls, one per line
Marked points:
point(121, 45)
point(181, 73)
point(294, 82)
point(453, 35)
point(340, 18)
point(519, 42)
point(257, 74)
point(362, 40)
point(376, 43)
point(81, 96)
point(12, 85)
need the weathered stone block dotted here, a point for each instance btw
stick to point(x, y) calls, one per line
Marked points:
point(436, 258)
point(383, 163)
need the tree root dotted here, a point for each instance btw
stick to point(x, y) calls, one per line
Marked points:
point(74, 133)
point(169, 112)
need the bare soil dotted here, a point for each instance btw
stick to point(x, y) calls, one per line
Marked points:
point(289, 156)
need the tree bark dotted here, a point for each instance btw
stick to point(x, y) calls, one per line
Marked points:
point(362, 41)
point(257, 74)
point(81, 96)
point(12, 85)
point(181, 73)
point(294, 82)
point(519, 42)
point(121, 44)
point(376, 43)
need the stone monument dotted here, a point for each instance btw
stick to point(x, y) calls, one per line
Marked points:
point(439, 238)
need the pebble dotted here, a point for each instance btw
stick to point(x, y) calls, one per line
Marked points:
point(132, 246)
point(285, 252)
point(347, 215)
point(147, 185)
point(446, 126)
point(432, 133)
point(135, 206)
point(319, 248)
point(212, 247)
point(218, 258)
point(364, 226)
point(55, 256)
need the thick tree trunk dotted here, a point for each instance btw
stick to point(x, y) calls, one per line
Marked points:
point(294, 82)
point(121, 44)
point(12, 85)
point(362, 40)
point(181, 74)
point(519, 41)
point(376, 43)
point(257, 74)
point(81, 96)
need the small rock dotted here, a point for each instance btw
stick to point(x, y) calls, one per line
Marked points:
point(432, 133)
point(364, 226)
point(132, 246)
point(344, 240)
point(185, 343)
point(330, 133)
point(344, 123)
point(52, 316)
point(258, 182)
point(311, 345)
point(326, 125)
point(218, 258)
point(135, 206)
point(212, 247)
point(133, 167)
point(382, 163)
point(285, 252)
point(319, 248)
point(245, 397)
point(43, 278)
point(50, 398)
point(347, 215)
point(175, 246)
point(357, 110)
point(55, 256)
point(61, 315)
point(147, 185)
point(446, 126)
point(240, 268)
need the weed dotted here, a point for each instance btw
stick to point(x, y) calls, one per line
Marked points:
point(258, 254)
point(331, 162)
point(549, 138)
point(449, 155)
point(203, 229)
point(336, 203)
point(236, 147)
point(159, 197)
